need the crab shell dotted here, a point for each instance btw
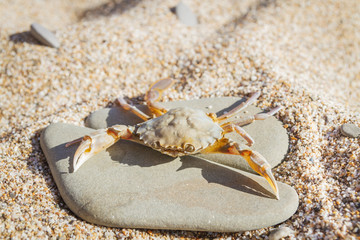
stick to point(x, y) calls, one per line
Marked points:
point(180, 131)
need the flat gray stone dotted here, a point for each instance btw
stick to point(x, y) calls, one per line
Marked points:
point(271, 139)
point(350, 130)
point(185, 14)
point(140, 188)
point(43, 35)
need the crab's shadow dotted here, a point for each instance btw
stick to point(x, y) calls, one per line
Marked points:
point(24, 37)
point(118, 115)
point(145, 157)
point(65, 153)
point(216, 173)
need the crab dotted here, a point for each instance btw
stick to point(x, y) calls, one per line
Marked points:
point(180, 131)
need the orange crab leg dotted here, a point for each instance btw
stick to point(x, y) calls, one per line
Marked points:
point(236, 126)
point(254, 159)
point(249, 119)
point(154, 95)
point(230, 127)
point(124, 104)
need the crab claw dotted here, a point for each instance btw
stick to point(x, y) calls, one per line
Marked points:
point(96, 142)
point(154, 94)
point(261, 166)
point(254, 159)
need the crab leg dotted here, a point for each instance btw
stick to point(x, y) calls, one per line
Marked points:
point(97, 141)
point(154, 95)
point(250, 119)
point(240, 107)
point(233, 127)
point(259, 164)
point(254, 159)
point(122, 102)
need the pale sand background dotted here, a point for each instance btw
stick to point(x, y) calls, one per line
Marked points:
point(305, 56)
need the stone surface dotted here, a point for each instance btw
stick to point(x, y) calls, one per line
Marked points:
point(280, 233)
point(136, 187)
point(271, 139)
point(185, 15)
point(43, 35)
point(350, 130)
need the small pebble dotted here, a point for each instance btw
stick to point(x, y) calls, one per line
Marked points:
point(281, 232)
point(185, 15)
point(350, 130)
point(12, 195)
point(44, 36)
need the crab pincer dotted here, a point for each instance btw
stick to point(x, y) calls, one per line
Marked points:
point(96, 142)
point(261, 166)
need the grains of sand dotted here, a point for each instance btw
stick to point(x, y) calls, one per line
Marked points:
point(301, 55)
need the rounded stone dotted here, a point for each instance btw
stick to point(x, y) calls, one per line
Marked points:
point(185, 15)
point(271, 139)
point(350, 130)
point(132, 186)
point(43, 35)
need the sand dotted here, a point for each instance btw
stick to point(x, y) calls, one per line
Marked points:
point(304, 56)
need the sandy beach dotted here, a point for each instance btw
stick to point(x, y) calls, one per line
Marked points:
point(304, 56)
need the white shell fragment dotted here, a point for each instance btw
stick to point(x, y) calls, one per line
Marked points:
point(280, 233)
point(44, 36)
point(183, 130)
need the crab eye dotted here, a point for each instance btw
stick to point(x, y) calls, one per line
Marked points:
point(155, 145)
point(189, 148)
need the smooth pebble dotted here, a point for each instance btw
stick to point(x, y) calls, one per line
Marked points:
point(350, 130)
point(185, 15)
point(44, 36)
